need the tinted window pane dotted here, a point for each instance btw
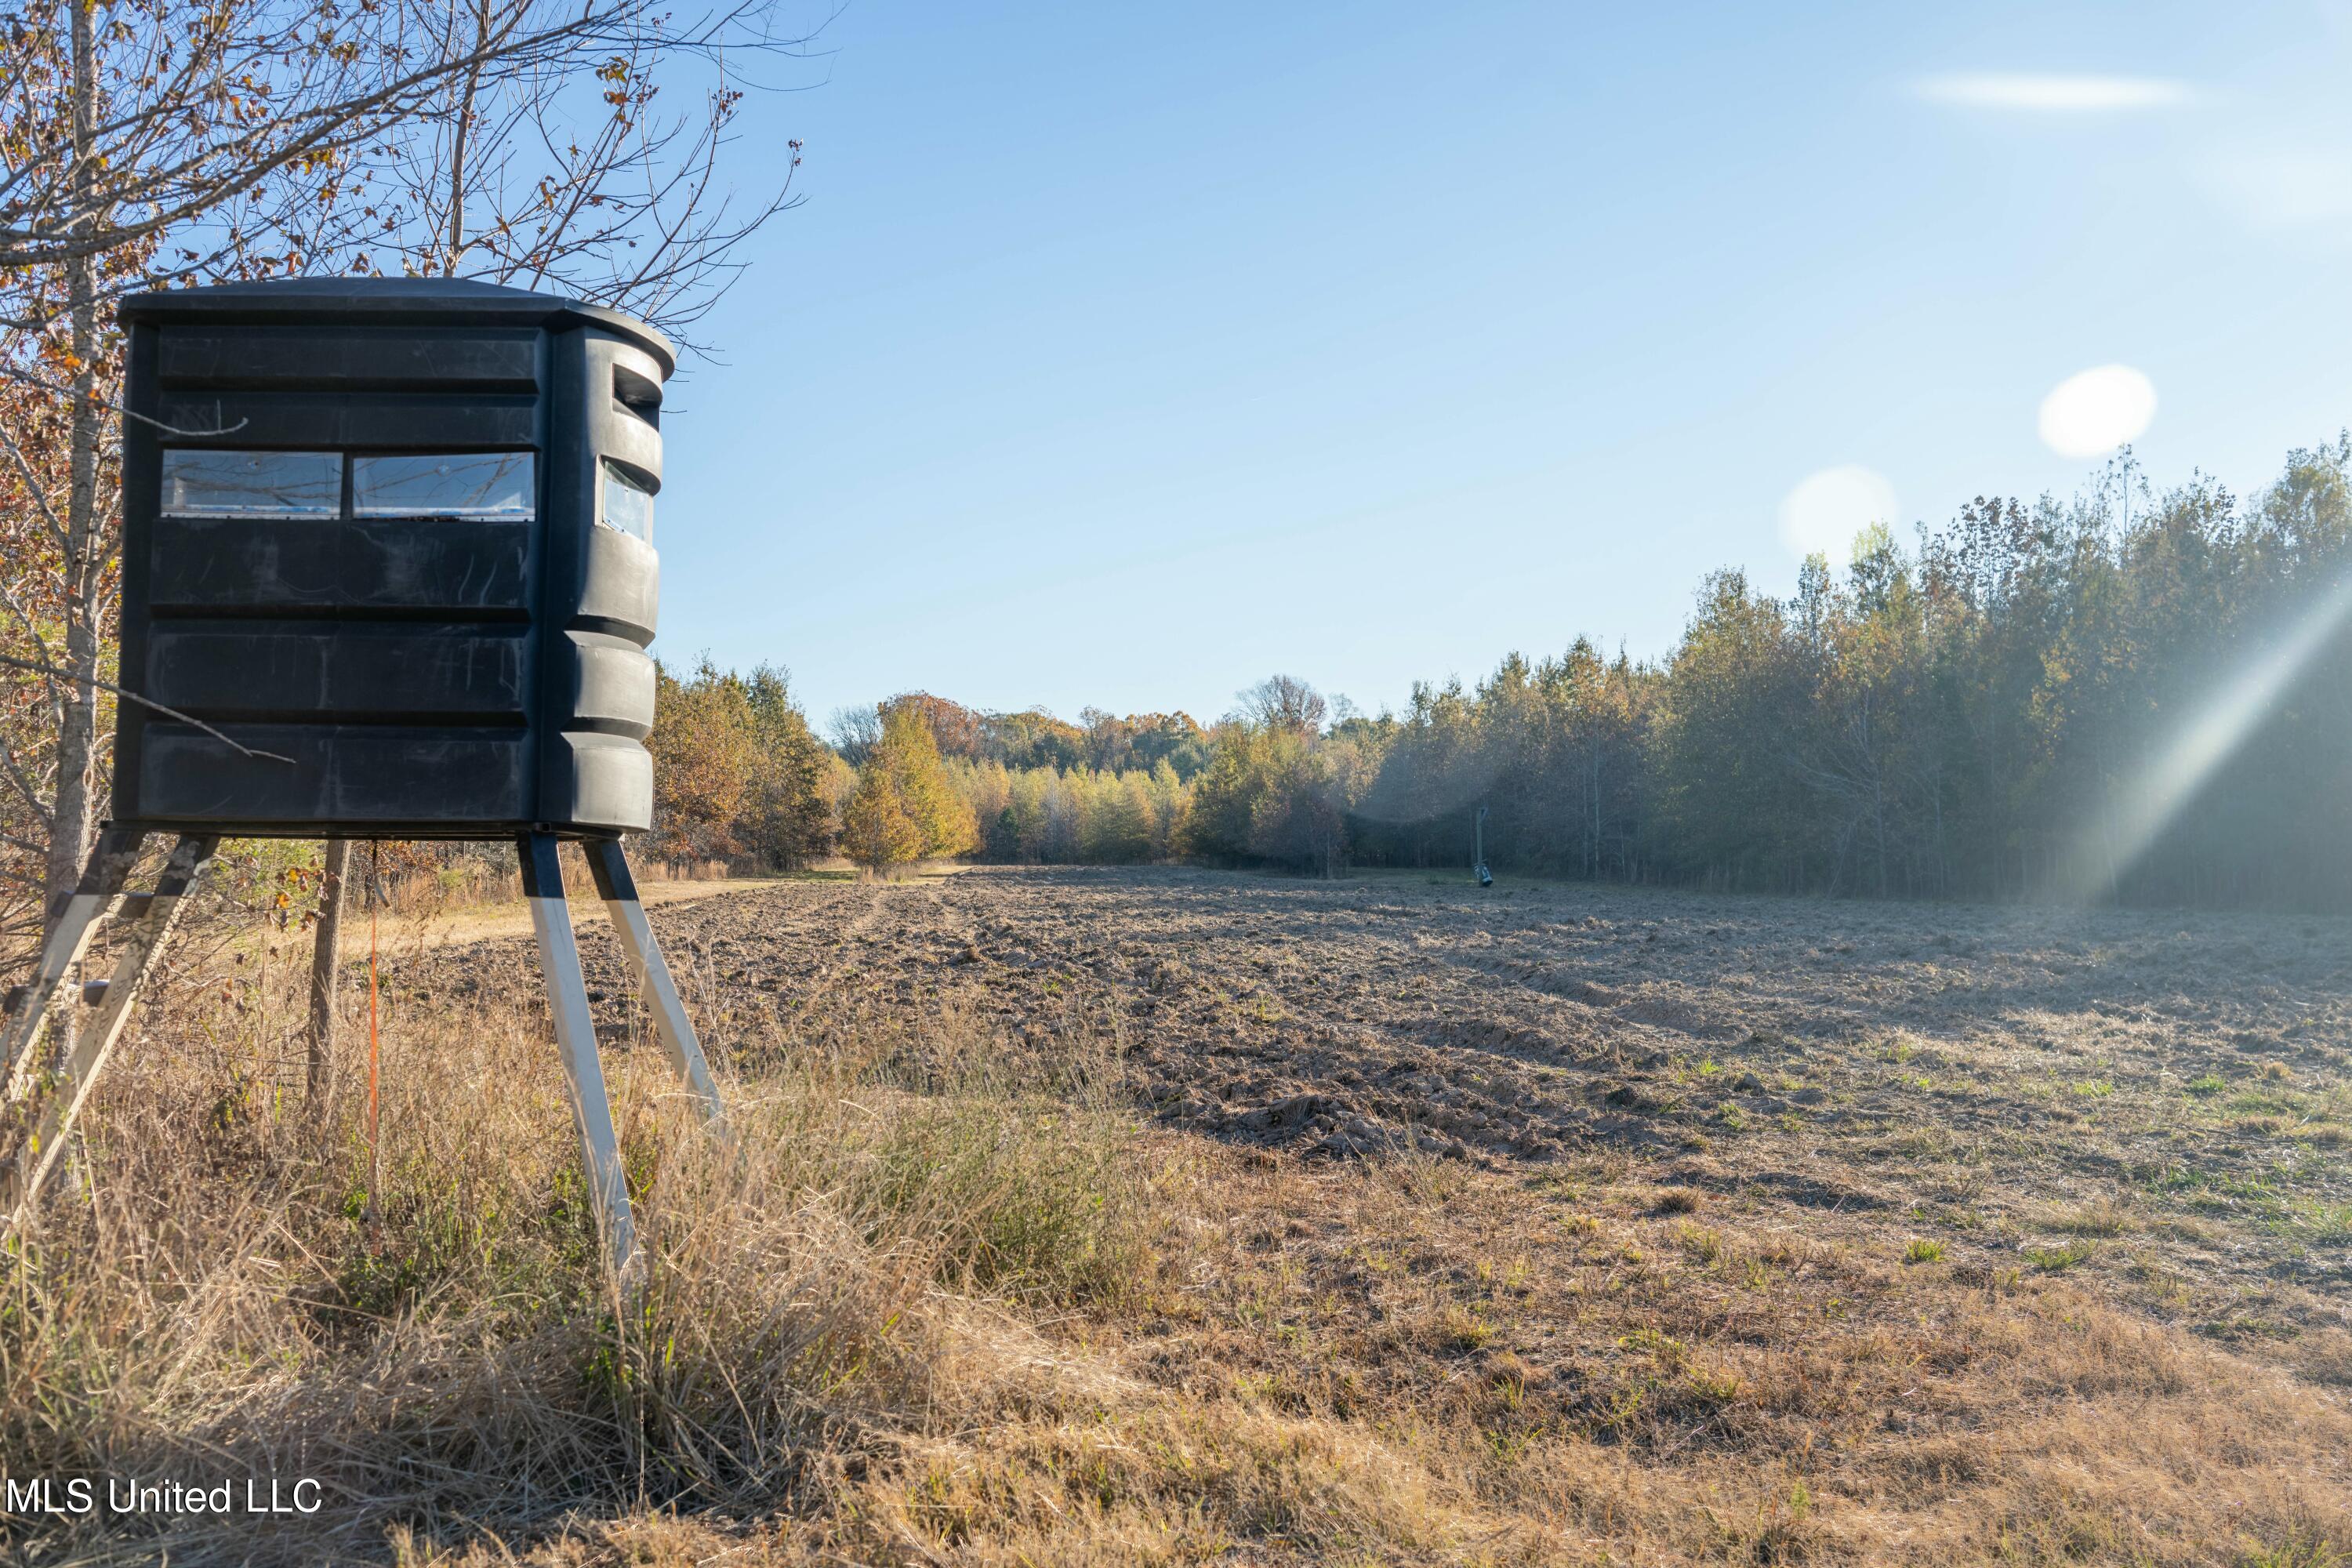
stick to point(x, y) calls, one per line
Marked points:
point(253, 484)
point(479, 485)
point(629, 505)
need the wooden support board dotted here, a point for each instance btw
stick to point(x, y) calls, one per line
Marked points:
point(101, 881)
point(21, 1183)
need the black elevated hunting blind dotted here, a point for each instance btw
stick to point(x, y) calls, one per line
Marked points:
point(399, 531)
point(388, 561)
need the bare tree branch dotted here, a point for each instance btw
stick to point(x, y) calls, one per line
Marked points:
point(38, 667)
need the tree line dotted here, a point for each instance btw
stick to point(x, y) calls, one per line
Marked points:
point(2119, 697)
point(2124, 696)
point(740, 776)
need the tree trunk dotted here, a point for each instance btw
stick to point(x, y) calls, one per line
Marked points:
point(72, 818)
point(71, 825)
point(324, 973)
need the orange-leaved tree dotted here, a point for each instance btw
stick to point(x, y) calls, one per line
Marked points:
point(705, 762)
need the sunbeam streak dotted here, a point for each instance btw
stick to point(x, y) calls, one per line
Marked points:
point(2213, 730)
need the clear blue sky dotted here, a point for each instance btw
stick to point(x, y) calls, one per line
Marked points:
point(1124, 354)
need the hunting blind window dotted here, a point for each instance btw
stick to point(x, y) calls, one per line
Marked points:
point(636, 395)
point(628, 502)
point(253, 484)
point(487, 487)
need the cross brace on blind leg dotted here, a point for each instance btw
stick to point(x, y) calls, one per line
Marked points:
point(110, 863)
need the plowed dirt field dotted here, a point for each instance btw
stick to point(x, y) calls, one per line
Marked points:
point(2166, 1098)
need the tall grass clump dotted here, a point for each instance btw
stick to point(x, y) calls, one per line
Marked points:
point(214, 1295)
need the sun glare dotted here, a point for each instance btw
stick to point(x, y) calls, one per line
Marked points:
point(1826, 510)
point(2092, 414)
point(2213, 730)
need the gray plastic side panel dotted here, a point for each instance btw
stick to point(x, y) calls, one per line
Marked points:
point(378, 358)
point(142, 486)
point(613, 685)
point(603, 781)
point(620, 434)
point(623, 593)
point(382, 421)
point(600, 603)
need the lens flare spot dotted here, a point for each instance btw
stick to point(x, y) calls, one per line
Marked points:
point(2092, 414)
point(1824, 513)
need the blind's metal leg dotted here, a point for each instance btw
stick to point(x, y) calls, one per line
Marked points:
point(576, 1041)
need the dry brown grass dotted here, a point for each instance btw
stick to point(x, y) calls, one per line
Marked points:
point(953, 1302)
point(218, 1300)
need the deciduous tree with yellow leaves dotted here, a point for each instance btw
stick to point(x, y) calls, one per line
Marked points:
point(904, 807)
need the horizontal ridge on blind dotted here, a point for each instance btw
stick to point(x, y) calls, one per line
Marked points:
point(354, 420)
point(330, 674)
point(385, 359)
point(344, 568)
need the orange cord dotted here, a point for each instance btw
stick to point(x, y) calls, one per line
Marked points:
point(373, 878)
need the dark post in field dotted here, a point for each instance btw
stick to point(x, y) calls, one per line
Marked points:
point(326, 972)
